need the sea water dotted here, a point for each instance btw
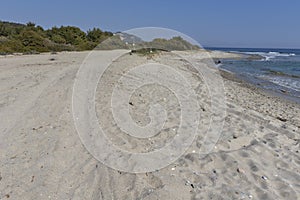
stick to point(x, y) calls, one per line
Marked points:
point(278, 70)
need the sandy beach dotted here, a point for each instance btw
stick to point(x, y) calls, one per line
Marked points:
point(42, 156)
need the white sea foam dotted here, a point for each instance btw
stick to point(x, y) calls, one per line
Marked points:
point(290, 83)
point(269, 55)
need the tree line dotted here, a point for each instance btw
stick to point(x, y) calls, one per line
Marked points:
point(29, 38)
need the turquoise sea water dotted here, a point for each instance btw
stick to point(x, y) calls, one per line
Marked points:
point(278, 71)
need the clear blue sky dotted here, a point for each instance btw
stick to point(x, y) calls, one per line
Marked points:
point(229, 23)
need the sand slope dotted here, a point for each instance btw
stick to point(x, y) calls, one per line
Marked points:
point(42, 157)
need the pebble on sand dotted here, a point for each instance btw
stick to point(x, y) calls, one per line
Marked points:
point(264, 177)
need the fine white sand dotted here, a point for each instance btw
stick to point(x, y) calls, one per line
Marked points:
point(42, 156)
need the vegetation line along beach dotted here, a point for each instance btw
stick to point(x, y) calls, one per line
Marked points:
point(31, 38)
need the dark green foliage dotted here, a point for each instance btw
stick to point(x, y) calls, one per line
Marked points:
point(72, 35)
point(96, 36)
point(31, 38)
point(58, 39)
point(8, 29)
point(30, 24)
point(11, 46)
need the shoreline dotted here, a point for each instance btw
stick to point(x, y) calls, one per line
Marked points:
point(279, 91)
point(278, 94)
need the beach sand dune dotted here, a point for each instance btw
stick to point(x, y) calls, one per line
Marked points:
point(42, 157)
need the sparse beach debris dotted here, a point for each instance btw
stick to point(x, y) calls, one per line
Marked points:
point(217, 61)
point(239, 170)
point(284, 126)
point(264, 177)
point(34, 128)
point(281, 119)
point(188, 183)
point(283, 91)
point(297, 141)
